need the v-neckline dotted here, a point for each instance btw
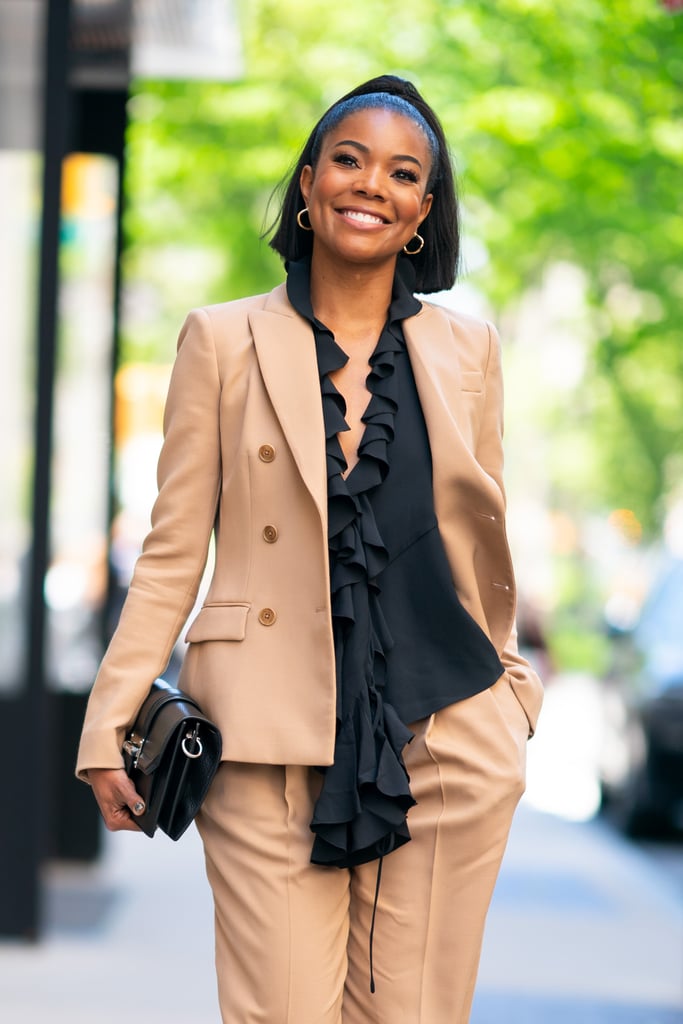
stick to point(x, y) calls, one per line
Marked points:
point(345, 476)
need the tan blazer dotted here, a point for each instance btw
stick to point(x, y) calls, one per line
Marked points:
point(244, 452)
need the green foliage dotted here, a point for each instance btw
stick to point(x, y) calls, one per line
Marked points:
point(565, 122)
point(575, 648)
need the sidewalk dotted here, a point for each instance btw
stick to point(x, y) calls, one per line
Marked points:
point(128, 940)
point(583, 930)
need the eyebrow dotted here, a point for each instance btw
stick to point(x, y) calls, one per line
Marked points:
point(365, 149)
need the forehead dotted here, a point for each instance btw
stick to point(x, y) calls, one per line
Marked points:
point(377, 126)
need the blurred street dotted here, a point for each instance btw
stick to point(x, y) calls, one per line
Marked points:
point(585, 928)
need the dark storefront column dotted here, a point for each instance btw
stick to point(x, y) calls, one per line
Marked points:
point(25, 454)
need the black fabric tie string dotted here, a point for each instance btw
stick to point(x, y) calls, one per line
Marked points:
point(372, 924)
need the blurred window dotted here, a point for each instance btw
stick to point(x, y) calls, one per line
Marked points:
point(76, 581)
point(21, 28)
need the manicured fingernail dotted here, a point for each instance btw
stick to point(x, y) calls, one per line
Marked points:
point(139, 807)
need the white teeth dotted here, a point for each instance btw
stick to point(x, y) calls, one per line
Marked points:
point(366, 218)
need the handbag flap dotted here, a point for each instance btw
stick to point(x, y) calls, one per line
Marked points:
point(161, 693)
point(172, 722)
point(165, 717)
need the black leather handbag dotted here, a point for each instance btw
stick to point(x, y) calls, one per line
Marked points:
point(171, 753)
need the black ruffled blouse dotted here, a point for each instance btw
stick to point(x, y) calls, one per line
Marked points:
point(440, 654)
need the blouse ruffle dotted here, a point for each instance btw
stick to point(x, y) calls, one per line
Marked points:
point(360, 814)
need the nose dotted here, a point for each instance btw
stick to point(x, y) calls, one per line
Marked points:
point(370, 182)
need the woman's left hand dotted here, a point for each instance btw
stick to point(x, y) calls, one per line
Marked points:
point(117, 798)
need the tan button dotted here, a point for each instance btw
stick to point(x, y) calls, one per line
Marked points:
point(267, 616)
point(270, 534)
point(266, 453)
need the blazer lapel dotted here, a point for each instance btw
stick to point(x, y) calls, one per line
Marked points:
point(438, 377)
point(285, 349)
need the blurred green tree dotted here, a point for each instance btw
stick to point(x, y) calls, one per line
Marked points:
point(566, 124)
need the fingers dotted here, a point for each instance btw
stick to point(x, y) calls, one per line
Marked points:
point(117, 798)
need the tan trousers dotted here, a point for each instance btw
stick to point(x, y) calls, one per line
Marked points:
point(292, 938)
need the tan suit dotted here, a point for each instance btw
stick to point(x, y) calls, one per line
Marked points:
point(244, 451)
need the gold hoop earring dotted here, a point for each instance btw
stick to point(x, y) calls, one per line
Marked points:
point(304, 227)
point(414, 252)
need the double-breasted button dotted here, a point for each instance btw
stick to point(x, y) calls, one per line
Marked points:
point(267, 616)
point(266, 453)
point(270, 534)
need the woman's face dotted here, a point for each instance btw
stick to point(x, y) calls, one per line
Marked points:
point(366, 196)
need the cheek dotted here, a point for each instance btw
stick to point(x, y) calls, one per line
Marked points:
point(413, 209)
point(322, 187)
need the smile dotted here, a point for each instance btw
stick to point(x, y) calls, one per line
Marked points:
point(362, 218)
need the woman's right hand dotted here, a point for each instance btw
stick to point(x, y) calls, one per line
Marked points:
point(117, 798)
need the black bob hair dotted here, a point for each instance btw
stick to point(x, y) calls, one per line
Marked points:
point(437, 264)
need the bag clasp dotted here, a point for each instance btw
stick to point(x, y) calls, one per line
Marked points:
point(192, 738)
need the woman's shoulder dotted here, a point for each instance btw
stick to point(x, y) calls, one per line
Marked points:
point(227, 328)
point(475, 339)
point(459, 321)
point(238, 310)
point(445, 334)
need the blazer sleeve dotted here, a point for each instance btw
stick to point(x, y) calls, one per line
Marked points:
point(169, 570)
point(525, 682)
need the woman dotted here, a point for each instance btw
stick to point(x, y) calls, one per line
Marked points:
point(357, 646)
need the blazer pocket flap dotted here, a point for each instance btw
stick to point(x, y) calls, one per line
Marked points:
point(219, 622)
point(473, 380)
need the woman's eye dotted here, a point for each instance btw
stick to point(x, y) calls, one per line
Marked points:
point(406, 175)
point(346, 159)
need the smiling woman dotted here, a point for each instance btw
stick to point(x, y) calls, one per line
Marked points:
point(357, 645)
point(436, 263)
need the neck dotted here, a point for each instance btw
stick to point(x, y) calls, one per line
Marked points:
point(351, 300)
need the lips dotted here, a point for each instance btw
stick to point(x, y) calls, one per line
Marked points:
point(362, 216)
